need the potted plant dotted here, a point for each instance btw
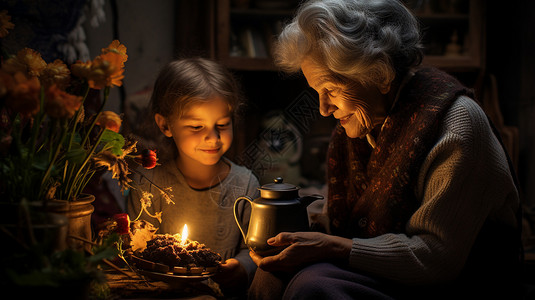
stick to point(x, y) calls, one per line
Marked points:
point(50, 148)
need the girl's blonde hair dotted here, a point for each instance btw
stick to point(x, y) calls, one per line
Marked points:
point(192, 80)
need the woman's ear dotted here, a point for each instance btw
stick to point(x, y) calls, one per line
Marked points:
point(161, 121)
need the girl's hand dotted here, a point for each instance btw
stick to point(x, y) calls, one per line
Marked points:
point(303, 248)
point(231, 276)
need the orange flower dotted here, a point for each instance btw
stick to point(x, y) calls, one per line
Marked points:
point(57, 73)
point(106, 69)
point(117, 47)
point(27, 60)
point(5, 23)
point(109, 120)
point(60, 104)
point(81, 69)
point(6, 83)
point(24, 96)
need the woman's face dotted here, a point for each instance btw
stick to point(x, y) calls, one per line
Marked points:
point(358, 108)
point(203, 133)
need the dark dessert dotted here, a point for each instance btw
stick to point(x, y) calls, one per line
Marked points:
point(168, 250)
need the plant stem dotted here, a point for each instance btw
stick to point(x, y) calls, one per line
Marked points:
point(106, 95)
point(87, 158)
point(37, 126)
point(75, 119)
point(54, 158)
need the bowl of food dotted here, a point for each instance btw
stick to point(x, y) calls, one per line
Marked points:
point(168, 254)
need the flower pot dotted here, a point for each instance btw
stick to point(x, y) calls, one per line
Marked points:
point(78, 213)
point(27, 224)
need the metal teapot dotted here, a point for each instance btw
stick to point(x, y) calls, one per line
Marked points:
point(278, 209)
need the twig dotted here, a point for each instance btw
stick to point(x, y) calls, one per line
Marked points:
point(116, 268)
point(82, 239)
point(106, 261)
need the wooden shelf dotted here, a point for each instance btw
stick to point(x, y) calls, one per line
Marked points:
point(248, 64)
point(438, 29)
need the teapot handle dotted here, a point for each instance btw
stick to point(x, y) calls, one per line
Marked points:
point(236, 213)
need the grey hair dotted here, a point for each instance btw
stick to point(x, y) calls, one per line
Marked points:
point(368, 41)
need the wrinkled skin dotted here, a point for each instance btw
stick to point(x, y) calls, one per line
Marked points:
point(303, 248)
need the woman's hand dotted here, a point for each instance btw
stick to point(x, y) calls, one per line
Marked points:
point(231, 276)
point(303, 248)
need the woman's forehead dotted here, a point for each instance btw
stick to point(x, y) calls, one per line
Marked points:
point(315, 74)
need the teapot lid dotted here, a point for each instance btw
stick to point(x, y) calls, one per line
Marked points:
point(278, 189)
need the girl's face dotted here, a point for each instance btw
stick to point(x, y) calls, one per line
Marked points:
point(203, 133)
point(358, 108)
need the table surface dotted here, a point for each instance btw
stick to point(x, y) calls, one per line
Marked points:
point(126, 284)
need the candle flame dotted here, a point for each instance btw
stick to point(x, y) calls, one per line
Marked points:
point(184, 234)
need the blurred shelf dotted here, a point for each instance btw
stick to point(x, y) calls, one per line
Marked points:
point(460, 25)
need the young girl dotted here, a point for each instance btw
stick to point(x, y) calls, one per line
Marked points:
point(193, 103)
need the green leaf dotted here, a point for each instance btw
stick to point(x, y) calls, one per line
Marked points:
point(114, 141)
point(40, 161)
point(107, 250)
point(77, 154)
point(108, 253)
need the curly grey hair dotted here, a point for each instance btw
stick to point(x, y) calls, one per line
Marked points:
point(368, 41)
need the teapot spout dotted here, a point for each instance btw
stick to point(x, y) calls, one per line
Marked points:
point(307, 200)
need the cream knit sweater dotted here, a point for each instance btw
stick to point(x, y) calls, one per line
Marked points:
point(464, 180)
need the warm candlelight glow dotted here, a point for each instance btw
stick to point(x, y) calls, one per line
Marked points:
point(184, 234)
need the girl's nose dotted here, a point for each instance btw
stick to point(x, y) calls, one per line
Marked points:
point(213, 134)
point(327, 108)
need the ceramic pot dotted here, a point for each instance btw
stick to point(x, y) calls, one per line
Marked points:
point(26, 224)
point(278, 209)
point(78, 213)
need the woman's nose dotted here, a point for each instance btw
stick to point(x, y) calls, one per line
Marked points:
point(327, 108)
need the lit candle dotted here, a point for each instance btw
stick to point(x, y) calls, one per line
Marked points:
point(184, 235)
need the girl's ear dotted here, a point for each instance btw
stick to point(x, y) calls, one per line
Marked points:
point(384, 88)
point(161, 121)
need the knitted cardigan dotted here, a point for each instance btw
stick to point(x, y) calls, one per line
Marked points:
point(466, 217)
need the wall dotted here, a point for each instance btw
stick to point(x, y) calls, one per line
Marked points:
point(510, 48)
point(147, 30)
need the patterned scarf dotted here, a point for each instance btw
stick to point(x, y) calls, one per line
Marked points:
point(371, 191)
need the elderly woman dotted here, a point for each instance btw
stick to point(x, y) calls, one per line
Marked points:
point(422, 201)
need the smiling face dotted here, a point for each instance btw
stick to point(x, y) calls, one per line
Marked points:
point(202, 134)
point(359, 108)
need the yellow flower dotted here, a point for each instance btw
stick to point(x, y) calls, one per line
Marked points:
point(167, 195)
point(24, 96)
point(60, 104)
point(109, 120)
point(57, 73)
point(5, 23)
point(146, 199)
point(27, 61)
